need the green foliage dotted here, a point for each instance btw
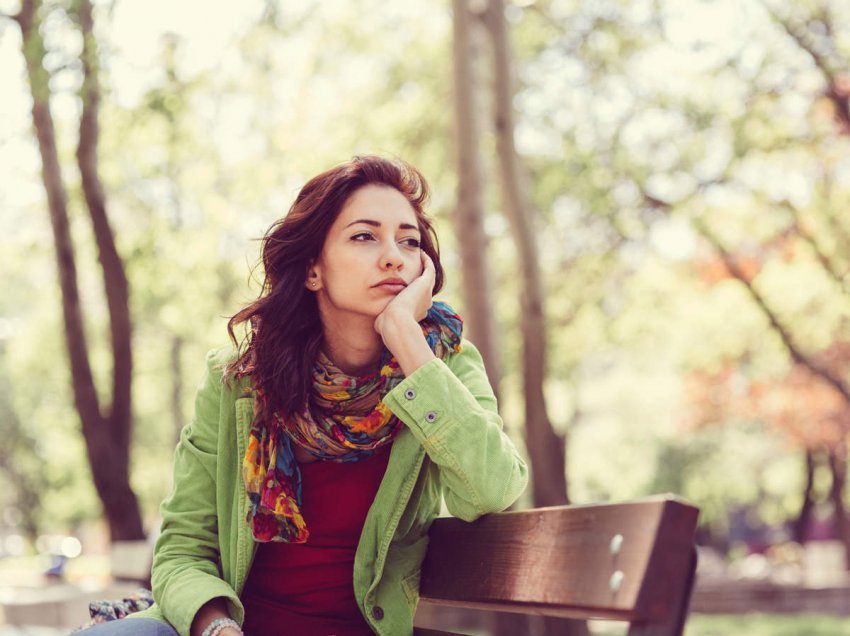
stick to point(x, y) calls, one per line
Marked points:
point(635, 128)
point(626, 111)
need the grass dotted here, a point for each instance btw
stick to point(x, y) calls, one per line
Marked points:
point(735, 625)
point(749, 625)
point(768, 625)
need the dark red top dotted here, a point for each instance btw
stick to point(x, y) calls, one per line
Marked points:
point(306, 589)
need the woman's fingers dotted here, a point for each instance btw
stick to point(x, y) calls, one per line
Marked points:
point(415, 300)
point(428, 277)
point(428, 268)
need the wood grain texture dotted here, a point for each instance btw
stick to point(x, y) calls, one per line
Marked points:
point(557, 561)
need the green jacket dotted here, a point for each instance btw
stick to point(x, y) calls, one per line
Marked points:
point(453, 446)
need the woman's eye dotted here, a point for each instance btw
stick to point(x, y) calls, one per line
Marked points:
point(411, 242)
point(362, 236)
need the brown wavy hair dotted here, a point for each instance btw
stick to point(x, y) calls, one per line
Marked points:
point(285, 332)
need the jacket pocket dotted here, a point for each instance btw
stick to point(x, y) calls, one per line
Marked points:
point(410, 585)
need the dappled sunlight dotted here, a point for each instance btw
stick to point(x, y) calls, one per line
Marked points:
point(682, 165)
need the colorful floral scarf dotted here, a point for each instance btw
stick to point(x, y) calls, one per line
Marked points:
point(345, 421)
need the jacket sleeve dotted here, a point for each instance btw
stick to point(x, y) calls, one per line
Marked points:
point(450, 408)
point(186, 565)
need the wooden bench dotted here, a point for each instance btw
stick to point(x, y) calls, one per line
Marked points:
point(632, 561)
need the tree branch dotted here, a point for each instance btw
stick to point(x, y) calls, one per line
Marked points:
point(794, 350)
point(836, 91)
point(811, 240)
point(802, 42)
point(791, 346)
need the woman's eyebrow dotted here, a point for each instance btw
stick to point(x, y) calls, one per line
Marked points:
point(373, 223)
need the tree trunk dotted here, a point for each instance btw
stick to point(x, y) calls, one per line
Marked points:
point(124, 515)
point(107, 437)
point(801, 523)
point(546, 448)
point(469, 215)
point(838, 467)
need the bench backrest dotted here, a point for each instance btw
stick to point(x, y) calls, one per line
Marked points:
point(630, 561)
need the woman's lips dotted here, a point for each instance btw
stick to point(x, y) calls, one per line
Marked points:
point(393, 285)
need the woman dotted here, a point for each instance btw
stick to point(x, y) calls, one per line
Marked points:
point(320, 449)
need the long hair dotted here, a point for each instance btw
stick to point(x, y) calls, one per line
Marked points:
point(285, 330)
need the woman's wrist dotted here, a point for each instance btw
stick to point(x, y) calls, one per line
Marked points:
point(212, 614)
point(220, 626)
point(403, 336)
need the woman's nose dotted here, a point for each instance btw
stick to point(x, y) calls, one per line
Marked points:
point(391, 257)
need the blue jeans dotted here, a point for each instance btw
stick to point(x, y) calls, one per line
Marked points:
point(131, 627)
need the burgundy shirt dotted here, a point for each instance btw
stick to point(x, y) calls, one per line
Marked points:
point(307, 589)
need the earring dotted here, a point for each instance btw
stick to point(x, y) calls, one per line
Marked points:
point(313, 284)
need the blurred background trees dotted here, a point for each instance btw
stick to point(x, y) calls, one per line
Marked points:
point(105, 428)
point(682, 231)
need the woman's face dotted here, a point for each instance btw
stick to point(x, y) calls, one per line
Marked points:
point(371, 252)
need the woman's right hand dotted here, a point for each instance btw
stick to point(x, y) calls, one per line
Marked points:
point(411, 303)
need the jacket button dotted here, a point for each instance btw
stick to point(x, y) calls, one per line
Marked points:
point(410, 394)
point(431, 416)
point(378, 612)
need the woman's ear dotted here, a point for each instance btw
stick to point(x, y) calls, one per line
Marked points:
point(313, 282)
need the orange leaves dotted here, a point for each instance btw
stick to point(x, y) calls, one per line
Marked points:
point(715, 269)
point(800, 405)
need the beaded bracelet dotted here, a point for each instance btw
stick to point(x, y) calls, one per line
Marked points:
point(218, 625)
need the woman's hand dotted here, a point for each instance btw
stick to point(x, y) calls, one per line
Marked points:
point(398, 323)
point(413, 301)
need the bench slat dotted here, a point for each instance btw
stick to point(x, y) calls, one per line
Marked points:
point(558, 562)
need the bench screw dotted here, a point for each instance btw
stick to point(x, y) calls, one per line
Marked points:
point(616, 544)
point(616, 581)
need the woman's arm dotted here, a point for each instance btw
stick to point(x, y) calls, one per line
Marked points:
point(186, 572)
point(451, 409)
